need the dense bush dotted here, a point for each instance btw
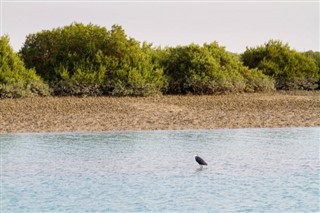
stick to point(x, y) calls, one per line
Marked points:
point(316, 57)
point(209, 69)
point(15, 79)
point(289, 68)
point(89, 60)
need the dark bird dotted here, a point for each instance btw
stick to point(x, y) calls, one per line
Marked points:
point(200, 161)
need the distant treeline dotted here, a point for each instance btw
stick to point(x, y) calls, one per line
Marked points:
point(89, 60)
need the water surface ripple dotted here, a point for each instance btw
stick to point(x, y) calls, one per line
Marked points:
point(265, 170)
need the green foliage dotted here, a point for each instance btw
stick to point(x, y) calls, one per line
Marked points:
point(89, 60)
point(129, 67)
point(316, 57)
point(256, 81)
point(209, 69)
point(67, 47)
point(289, 68)
point(15, 79)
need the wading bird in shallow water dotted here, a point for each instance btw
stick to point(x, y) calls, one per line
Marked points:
point(200, 161)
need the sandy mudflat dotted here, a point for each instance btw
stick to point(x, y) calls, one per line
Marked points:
point(65, 114)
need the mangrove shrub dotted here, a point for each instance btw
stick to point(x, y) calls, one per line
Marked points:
point(90, 60)
point(15, 80)
point(316, 57)
point(289, 68)
point(210, 69)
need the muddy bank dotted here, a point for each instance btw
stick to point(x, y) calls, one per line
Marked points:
point(65, 114)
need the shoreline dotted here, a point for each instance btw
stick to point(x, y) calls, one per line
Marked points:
point(99, 114)
point(150, 130)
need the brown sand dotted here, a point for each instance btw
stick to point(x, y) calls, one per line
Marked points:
point(52, 114)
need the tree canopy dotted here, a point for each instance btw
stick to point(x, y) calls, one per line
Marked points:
point(15, 79)
point(210, 69)
point(289, 68)
point(89, 60)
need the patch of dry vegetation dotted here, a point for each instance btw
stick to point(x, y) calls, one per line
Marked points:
point(52, 114)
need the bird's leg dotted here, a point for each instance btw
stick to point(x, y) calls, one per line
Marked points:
point(201, 166)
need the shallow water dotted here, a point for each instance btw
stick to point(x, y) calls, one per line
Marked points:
point(272, 170)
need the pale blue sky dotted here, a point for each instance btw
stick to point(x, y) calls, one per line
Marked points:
point(233, 24)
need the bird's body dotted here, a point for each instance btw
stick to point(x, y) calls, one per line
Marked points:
point(200, 161)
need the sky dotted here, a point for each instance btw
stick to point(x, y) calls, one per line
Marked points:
point(233, 24)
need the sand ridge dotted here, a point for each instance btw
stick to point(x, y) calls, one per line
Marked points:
point(245, 110)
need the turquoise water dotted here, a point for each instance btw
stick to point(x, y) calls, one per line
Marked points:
point(265, 170)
